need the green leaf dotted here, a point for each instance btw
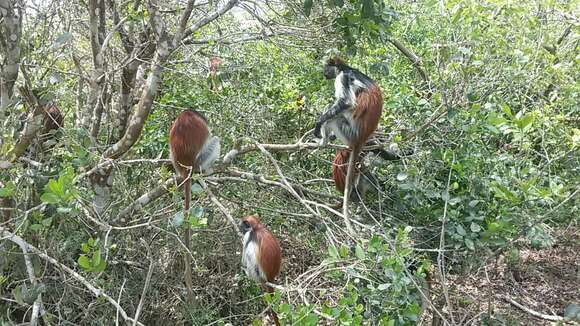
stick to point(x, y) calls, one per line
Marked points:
point(383, 287)
point(469, 244)
point(343, 251)
point(460, 230)
point(332, 251)
point(401, 176)
point(96, 260)
point(47, 221)
point(339, 3)
point(100, 267)
point(84, 262)
point(525, 123)
point(17, 294)
point(475, 227)
point(64, 210)
point(49, 198)
point(7, 190)
point(85, 247)
point(177, 219)
point(503, 192)
point(33, 293)
point(359, 252)
point(307, 7)
point(36, 227)
point(197, 212)
point(196, 188)
point(572, 311)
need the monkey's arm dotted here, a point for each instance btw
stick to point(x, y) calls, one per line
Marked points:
point(344, 101)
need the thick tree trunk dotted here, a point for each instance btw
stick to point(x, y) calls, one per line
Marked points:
point(10, 33)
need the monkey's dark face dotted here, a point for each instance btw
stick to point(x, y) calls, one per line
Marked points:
point(330, 72)
point(249, 223)
point(245, 227)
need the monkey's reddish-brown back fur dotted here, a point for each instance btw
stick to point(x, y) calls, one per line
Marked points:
point(186, 138)
point(367, 112)
point(269, 255)
point(53, 118)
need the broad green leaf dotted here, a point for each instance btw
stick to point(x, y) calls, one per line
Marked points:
point(332, 251)
point(469, 244)
point(177, 219)
point(196, 188)
point(460, 230)
point(343, 251)
point(49, 198)
point(96, 260)
point(84, 262)
point(401, 176)
point(197, 212)
point(525, 122)
point(47, 221)
point(475, 227)
point(100, 267)
point(383, 286)
point(359, 252)
point(307, 7)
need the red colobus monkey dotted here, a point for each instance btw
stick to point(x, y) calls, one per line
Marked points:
point(357, 108)
point(262, 256)
point(191, 147)
point(364, 180)
point(214, 63)
point(52, 120)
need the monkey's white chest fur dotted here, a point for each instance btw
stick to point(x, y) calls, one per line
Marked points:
point(250, 259)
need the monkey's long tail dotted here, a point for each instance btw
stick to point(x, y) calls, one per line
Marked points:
point(187, 237)
point(270, 289)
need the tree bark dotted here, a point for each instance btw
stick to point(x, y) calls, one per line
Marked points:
point(11, 12)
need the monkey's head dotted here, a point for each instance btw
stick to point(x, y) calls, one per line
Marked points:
point(249, 223)
point(333, 66)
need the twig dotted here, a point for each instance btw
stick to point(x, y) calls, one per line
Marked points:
point(221, 207)
point(119, 300)
point(145, 199)
point(30, 271)
point(412, 57)
point(530, 311)
point(441, 255)
point(96, 291)
point(144, 292)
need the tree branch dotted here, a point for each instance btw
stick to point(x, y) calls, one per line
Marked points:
point(96, 291)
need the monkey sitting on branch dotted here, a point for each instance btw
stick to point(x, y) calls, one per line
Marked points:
point(352, 118)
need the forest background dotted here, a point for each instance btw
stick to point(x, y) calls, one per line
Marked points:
point(477, 223)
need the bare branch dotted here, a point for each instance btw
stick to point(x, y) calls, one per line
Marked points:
point(530, 311)
point(209, 18)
